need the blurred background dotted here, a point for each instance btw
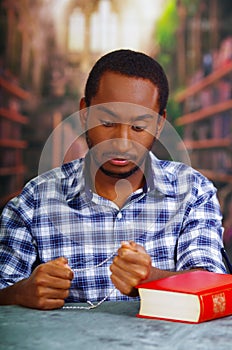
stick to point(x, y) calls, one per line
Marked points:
point(47, 48)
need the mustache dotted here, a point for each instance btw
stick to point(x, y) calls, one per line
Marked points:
point(117, 155)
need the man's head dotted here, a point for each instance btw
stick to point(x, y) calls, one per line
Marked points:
point(126, 95)
point(131, 64)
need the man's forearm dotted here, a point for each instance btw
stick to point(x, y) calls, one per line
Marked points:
point(156, 274)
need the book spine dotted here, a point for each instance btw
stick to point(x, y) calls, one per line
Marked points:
point(215, 305)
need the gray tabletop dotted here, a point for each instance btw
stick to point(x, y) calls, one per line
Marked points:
point(111, 326)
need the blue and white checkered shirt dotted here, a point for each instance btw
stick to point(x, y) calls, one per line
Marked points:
point(176, 217)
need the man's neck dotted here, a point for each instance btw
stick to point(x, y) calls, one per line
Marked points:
point(116, 189)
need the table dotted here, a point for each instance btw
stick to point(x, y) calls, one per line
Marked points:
point(111, 326)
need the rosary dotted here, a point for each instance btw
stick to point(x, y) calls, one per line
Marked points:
point(90, 304)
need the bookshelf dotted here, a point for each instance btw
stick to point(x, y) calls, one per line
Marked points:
point(207, 123)
point(12, 168)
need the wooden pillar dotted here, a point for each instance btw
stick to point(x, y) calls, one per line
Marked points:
point(196, 41)
point(57, 140)
point(181, 47)
point(11, 25)
point(214, 26)
point(86, 51)
point(25, 54)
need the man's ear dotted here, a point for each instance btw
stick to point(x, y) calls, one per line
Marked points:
point(83, 111)
point(161, 121)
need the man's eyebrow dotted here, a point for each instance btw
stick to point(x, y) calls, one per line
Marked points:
point(108, 111)
point(144, 116)
point(113, 114)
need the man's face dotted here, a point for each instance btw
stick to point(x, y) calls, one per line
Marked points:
point(122, 123)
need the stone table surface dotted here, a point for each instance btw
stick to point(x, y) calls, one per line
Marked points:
point(111, 326)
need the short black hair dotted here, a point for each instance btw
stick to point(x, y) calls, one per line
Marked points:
point(132, 64)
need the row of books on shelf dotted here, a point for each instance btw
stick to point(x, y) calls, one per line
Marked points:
point(219, 92)
point(10, 184)
point(10, 102)
point(217, 160)
point(217, 126)
point(224, 54)
point(10, 129)
point(222, 125)
point(10, 158)
point(215, 60)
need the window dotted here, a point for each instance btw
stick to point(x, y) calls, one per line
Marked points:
point(76, 31)
point(103, 28)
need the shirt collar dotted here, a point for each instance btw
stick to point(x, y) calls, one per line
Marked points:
point(76, 177)
point(73, 181)
point(160, 178)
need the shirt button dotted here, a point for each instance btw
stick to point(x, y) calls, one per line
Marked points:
point(119, 216)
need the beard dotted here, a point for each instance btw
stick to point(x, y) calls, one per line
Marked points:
point(124, 175)
point(116, 175)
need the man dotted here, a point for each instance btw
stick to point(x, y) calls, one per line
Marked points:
point(119, 216)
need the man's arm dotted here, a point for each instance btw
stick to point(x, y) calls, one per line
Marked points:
point(46, 288)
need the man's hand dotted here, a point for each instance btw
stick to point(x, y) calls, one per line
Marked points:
point(46, 288)
point(130, 267)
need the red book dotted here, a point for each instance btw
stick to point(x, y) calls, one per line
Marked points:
point(192, 297)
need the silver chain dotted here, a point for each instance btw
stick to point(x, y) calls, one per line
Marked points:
point(95, 266)
point(90, 304)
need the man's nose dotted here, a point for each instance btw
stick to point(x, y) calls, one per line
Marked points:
point(122, 141)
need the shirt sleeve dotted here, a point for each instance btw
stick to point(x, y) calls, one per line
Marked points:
point(17, 250)
point(200, 241)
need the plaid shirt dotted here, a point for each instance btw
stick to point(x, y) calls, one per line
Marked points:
point(176, 218)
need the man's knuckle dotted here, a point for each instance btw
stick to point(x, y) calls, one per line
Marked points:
point(41, 268)
point(42, 304)
point(128, 290)
point(66, 294)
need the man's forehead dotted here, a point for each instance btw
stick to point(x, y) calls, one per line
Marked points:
point(120, 109)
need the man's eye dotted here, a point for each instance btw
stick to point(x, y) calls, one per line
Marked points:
point(139, 127)
point(107, 123)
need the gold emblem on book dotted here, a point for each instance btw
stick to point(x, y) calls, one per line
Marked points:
point(219, 303)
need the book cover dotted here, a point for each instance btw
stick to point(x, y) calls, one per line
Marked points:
point(192, 297)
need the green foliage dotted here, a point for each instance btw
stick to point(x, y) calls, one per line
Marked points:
point(191, 6)
point(166, 39)
point(166, 27)
point(174, 112)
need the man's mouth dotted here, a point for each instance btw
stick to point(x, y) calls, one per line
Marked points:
point(119, 161)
